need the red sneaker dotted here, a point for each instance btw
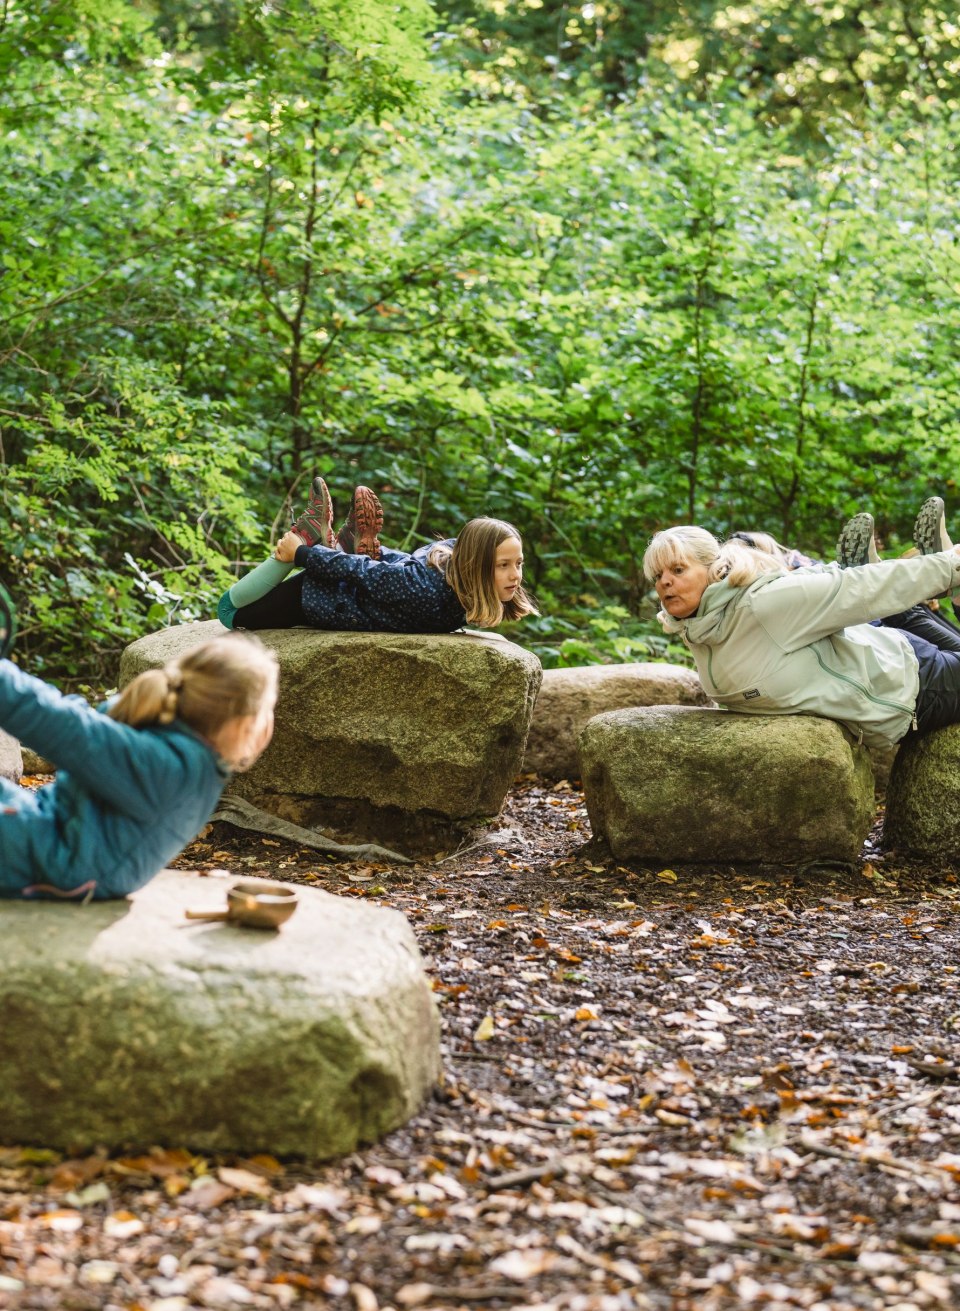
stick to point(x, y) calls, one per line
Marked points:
point(358, 536)
point(315, 525)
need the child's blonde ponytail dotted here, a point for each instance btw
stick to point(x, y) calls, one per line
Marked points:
point(223, 679)
point(150, 699)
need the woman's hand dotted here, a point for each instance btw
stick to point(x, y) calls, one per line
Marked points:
point(286, 548)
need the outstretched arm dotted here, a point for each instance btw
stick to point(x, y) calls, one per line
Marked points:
point(800, 608)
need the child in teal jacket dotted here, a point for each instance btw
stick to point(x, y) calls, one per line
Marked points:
point(138, 778)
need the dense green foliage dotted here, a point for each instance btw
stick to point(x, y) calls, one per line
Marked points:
point(585, 286)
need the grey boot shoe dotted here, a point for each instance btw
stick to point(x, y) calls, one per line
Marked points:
point(930, 530)
point(856, 545)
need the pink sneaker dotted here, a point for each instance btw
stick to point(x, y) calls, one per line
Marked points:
point(358, 536)
point(315, 525)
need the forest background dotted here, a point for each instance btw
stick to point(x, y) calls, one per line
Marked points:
point(594, 268)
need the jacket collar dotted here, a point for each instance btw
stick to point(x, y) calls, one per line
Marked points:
point(711, 623)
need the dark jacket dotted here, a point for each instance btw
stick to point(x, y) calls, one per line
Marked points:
point(399, 593)
point(125, 800)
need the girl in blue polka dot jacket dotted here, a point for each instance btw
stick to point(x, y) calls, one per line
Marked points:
point(350, 583)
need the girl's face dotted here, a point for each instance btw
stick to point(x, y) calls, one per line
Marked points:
point(508, 569)
point(242, 740)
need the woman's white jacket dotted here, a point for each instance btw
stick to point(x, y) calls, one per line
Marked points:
point(801, 644)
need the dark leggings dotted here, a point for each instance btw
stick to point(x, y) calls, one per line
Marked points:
point(280, 608)
point(936, 644)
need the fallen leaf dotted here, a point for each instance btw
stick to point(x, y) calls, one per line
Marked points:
point(414, 1294)
point(64, 1222)
point(523, 1264)
point(713, 1231)
point(244, 1181)
point(485, 1029)
point(122, 1224)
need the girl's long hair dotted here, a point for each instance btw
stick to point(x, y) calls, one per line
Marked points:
point(469, 568)
point(226, 678)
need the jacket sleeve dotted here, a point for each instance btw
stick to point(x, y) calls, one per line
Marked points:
point(328, 566)
point(803, 607)
point(127, 768)
point(408, 586)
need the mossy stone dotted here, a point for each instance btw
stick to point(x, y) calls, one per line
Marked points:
point(677, 784)
point(922, 815)
point(126, 1025)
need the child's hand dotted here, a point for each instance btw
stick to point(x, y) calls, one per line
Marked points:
point(287, 547)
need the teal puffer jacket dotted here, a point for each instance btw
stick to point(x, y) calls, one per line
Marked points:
point(124, 803)
point(801, 644)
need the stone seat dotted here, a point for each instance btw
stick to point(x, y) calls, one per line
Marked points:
point(11, 761)
point(125, 1024)
point(672, 784)
point(922, 817)
point(570, 697)
point(402, 739)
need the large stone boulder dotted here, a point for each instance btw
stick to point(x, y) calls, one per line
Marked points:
point(570, 697)
point(881, 761)
point(405, 739)
point(922, 816)
point(671, 784)
point(34, 764)
point(11, 761)
point(123, 1024)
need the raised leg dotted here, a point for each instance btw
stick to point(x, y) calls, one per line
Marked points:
point(281, 607)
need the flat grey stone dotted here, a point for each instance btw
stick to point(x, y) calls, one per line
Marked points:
point(674, 784)
point(34, 764)
point(922, 816)
point(570, 697)
point(11, 761)
point(125, 1024)
point(402, 739)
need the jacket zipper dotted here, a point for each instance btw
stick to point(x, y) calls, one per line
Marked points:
point(877, 700)
point(844, 678)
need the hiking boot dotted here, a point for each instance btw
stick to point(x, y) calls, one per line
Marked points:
point(358, 536)
point(856, 545)
point(315, 525)
point(930, 530)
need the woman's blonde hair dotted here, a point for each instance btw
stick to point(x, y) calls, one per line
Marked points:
point(226, 678)
point(469, 568)
point(735, 561)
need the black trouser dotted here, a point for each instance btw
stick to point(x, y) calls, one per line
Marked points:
point(280, 608)
point(936, 643)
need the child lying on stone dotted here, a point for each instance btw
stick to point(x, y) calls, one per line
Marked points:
point(138, 778)
point(350, 583)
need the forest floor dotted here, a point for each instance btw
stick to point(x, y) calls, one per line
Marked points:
point(663, 1088)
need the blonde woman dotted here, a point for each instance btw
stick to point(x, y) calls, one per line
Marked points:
point(137, 783)
point(474, 578)
point(852, 644)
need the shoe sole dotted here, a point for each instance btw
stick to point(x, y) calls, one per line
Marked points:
point(929, 531)
point(367, 522)
point(853, 546)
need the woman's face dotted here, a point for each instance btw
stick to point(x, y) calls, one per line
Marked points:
point(680, 586)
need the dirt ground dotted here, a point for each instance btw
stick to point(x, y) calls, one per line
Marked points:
point(662, 1088)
